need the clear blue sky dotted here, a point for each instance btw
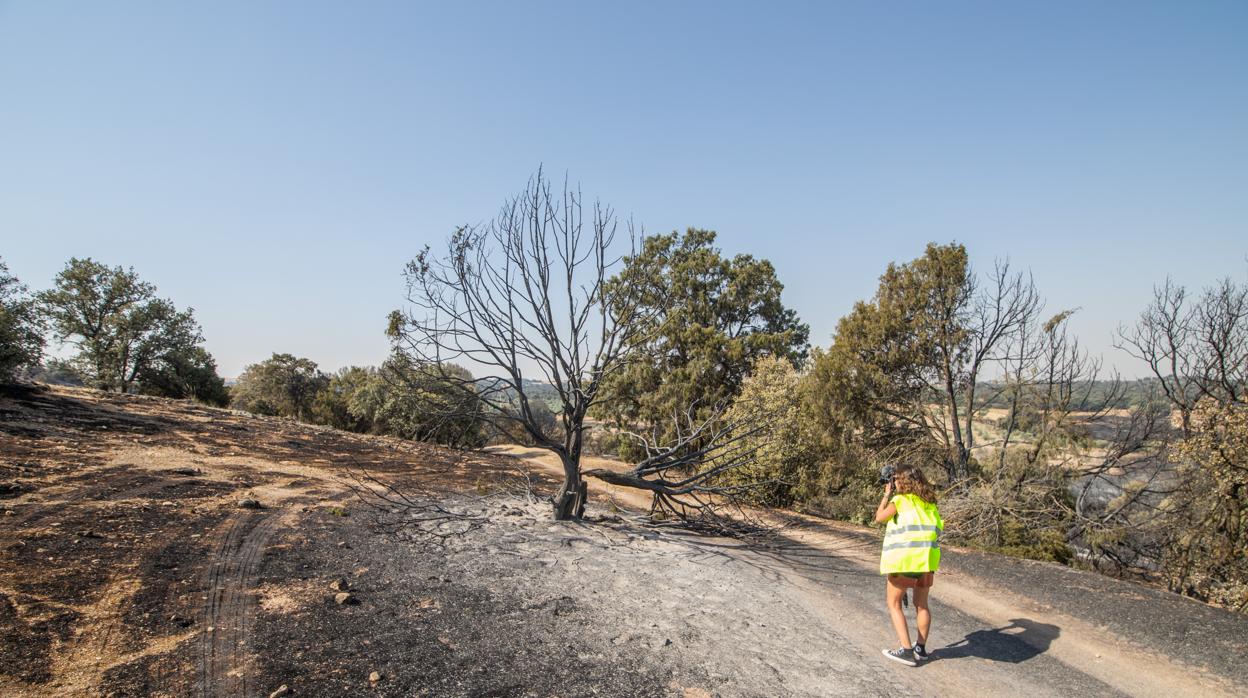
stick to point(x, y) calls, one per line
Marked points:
point(274, 164)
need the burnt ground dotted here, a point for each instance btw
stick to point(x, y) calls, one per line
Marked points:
point(128, 567)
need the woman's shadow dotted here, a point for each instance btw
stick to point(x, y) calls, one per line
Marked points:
point(1017, 642)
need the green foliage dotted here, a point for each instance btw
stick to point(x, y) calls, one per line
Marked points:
point(1208, 558)
point(189, 374)
point(127, 338)
point(1017, 505)
point(332, 406)
point(399, 399)
point(891, 357)
point(787, 468)
point(97, 308)
point(21, 327)
point(1020, 539)
point(543, 419)
point(711, 319)
point(412, 401)
point(283, 385)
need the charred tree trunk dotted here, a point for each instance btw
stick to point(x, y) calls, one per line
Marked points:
point(569, 501)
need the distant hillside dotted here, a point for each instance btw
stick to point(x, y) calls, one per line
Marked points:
point(535, 390)
point(1130, 393)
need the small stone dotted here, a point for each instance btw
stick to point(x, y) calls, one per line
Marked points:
point(374, 677)
point(344, 598)
point(340, 584)
point(282, 690)
point(249, 503)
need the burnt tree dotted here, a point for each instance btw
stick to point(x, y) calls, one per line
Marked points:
point(531, 295)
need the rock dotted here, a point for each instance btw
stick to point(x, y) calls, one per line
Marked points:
point(249, 503)
point(340, 584)
point(345, 599)
point(375, 677)
point(282, 690)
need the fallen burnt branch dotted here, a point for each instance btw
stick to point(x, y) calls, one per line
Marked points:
point(416, 511)
point(691, 477)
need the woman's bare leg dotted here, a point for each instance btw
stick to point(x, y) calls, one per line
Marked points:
point(922, 617)
point(895, 595)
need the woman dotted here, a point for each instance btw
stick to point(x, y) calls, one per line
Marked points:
point(910, 556)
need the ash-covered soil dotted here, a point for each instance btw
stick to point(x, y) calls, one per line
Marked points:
point(430, 623)
point(522, 606)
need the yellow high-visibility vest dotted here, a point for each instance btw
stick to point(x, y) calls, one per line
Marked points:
point(911, 538)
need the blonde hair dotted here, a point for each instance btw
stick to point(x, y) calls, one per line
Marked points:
point(910, 480)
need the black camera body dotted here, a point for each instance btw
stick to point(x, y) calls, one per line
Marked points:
point(887, 473)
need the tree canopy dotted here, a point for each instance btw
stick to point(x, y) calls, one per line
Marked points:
point(709, 319)
point(283, 385)
point(127, 338)
point(21, 335)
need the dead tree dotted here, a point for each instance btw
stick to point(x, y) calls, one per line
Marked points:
point(1194, 350)
point(530, 295)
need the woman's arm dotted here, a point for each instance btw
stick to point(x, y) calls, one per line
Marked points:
point(886, 510)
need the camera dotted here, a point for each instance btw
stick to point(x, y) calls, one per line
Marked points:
point(887, 473)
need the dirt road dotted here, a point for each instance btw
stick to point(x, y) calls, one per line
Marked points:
point(1007, 622)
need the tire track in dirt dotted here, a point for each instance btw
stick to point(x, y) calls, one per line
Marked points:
point(223, 658)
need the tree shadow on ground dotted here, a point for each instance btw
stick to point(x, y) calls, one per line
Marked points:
point(1017, 642)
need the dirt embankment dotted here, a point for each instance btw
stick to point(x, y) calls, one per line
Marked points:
point(134, 561)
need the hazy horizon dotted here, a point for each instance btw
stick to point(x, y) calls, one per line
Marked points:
point(274, 166)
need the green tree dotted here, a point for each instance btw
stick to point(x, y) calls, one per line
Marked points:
point(123, 332)
point(1208, 558)
point(282, 385)
point(333, 405)
point(710, 319)
point(788, 465)
point(89, 306)
point(21, 327)
point(405, 400)
point(904, 368)
point(190, 373)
